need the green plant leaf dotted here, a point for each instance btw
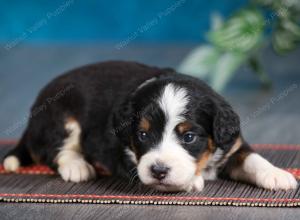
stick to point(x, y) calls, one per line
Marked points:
point(291, 27)
point(240, 33)
point(200, 61)
point(286, 36)
point(259, 70)
point(216, 21)
point(225, 68)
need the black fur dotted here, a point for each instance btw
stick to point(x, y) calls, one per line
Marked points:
point(104, 99)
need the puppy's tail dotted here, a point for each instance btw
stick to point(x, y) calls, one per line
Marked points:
point(19, 156)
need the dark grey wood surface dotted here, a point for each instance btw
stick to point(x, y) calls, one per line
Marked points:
point(142, 212)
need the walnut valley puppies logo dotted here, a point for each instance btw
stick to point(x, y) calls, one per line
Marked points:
point(39, 24)
point(267, 106)
point(260, 110)
point(150, 24)
point(60, 94)
point(128, 122)
point(37, 110)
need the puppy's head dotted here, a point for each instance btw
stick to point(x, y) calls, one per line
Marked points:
point(171, 130)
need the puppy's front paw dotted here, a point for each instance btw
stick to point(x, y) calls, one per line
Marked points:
point(196, 185)
point(76, 171)
point(276, 179)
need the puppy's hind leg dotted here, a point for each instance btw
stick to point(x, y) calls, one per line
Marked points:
point(71, 163)
point(245, 165)
point(19, 156)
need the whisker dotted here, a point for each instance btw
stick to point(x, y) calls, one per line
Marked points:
point(133, 177)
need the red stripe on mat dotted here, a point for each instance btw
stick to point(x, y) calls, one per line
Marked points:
point(255, 146)
point(294, 171)
point(35, 169)
point(276, 146)
point(190, 198)
point(39, 169)
point(8, 142)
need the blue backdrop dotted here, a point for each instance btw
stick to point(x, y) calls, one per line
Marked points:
point(115, 20)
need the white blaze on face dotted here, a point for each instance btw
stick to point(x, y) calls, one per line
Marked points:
point(173, 102)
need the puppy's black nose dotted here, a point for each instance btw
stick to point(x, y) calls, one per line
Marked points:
point(159, 171)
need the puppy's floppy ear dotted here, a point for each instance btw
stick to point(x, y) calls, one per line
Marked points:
point(226, 126)
point(123, 119)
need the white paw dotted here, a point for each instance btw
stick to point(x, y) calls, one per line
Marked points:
point(197, 184)
point(11, 163)
point(77, 170)
point(276, 179)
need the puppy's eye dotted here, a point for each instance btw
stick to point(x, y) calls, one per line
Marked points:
point(142, 135)
point(189, 137)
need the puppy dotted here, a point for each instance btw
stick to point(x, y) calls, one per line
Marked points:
point(114, 117)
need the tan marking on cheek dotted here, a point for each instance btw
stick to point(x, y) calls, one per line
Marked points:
point(184, 127)
point(204, 158)
point(133, 148)
point(145, 124)
point(210, 145)
point(202, 162)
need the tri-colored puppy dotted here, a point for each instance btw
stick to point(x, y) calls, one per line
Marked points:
point(110, 118)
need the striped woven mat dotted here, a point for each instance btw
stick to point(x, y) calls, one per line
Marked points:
point(39, 184)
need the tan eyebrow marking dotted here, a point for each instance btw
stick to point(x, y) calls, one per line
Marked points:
point(145, 124)
point(70, 119)
point(184, 127)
